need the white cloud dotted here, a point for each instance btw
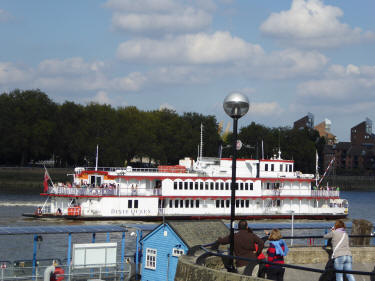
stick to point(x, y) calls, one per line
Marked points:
point(287, 63)
point(265, 109)
point(310, 23)
point(10, 73)
point(4, 16)
point(73, 66)
point(201, 48)
point(142, 5)
point(166, 106)
point(351, 85)
point(101, 97)
point(160, 16)
point(133, 82)
point(187, 21)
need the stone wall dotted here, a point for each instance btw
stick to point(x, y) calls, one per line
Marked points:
point(317, 257)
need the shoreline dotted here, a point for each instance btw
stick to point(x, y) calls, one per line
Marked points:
point(30, 179)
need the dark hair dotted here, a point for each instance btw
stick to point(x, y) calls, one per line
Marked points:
point(242, 224)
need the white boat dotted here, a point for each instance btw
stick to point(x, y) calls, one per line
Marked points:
point(200, 189)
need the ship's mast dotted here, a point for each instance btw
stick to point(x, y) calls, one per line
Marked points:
point(201, 145)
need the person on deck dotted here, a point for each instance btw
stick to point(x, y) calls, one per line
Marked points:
point(244, 246)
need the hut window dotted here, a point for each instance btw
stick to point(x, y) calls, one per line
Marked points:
point(177, 252)
point(151, 258)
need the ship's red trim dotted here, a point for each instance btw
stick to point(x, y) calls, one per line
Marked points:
point(276, 160)
point(214, 197)
point(183, 177)
point(160, 218)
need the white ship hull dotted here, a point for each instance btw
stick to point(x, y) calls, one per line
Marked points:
point(201, 189)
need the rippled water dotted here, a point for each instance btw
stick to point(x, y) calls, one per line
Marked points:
point(54, 246)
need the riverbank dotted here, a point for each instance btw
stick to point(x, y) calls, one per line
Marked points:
point(29, 179)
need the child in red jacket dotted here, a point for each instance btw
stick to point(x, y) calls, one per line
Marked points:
point(276, 252)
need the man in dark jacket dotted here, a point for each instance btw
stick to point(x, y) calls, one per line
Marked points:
point(244, 246)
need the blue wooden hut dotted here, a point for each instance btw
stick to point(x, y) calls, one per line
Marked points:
point(162, 246)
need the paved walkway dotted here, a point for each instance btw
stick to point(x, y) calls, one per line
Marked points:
point(299, 275)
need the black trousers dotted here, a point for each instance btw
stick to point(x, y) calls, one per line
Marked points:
point(275, 273)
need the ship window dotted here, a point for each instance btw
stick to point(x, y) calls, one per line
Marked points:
point(216, 186)
point(130, 204)
point(181, 203)
point(221, 186)
point(211, 185)
point(186, 185)
point(242, 203)
point(246, 186)
point(151, 258)
point(175, 185)
point(196, 185)
point(170, 203)
point(227, 186)
point(196, 203)
point(176, 203)
point(191, 184)
point(281, 167)
point(272, 167)
point(206, 185)
point(266, 167)
point(222, 203)
point(278, 203)
point(180, 185)
point(268, 185)
point(237, 203)
point(247, 203)
point(187, 203)
point(192, 203)
point(217, 203)
point(201, 185)
point(241, 185)
point(290, 168)
point(236, 184)
point(227, 203)
point(177, 252)
point(135, 204)
point(251, 186)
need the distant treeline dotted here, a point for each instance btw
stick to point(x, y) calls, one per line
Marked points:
point(34, 128)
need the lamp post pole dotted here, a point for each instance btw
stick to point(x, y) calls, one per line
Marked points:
point(233, 187)
point(235, 105)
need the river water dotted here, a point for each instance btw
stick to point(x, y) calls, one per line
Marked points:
point(361, 206)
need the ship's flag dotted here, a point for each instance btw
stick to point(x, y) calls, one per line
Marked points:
point(45, 183)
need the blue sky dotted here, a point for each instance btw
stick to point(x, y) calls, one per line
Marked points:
point(288, 57)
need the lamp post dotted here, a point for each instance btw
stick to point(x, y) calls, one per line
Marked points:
point(235, 105)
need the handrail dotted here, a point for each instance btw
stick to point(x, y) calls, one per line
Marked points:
point(298, 267)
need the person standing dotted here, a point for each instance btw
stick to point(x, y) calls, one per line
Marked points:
point(340, 250)
point(244, 246)
point(275, 254)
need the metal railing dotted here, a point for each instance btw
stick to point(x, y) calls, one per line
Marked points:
point(23, 270)
point(228, 264)
point(300, 192)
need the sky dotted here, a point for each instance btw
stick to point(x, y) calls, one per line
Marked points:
point(288, 57)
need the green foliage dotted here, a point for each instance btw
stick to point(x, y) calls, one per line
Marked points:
point(35, 128)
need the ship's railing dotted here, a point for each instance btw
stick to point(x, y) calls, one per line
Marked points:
point(89, 191)
point(128, 170)
point(300, 192)
point(82, 191)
